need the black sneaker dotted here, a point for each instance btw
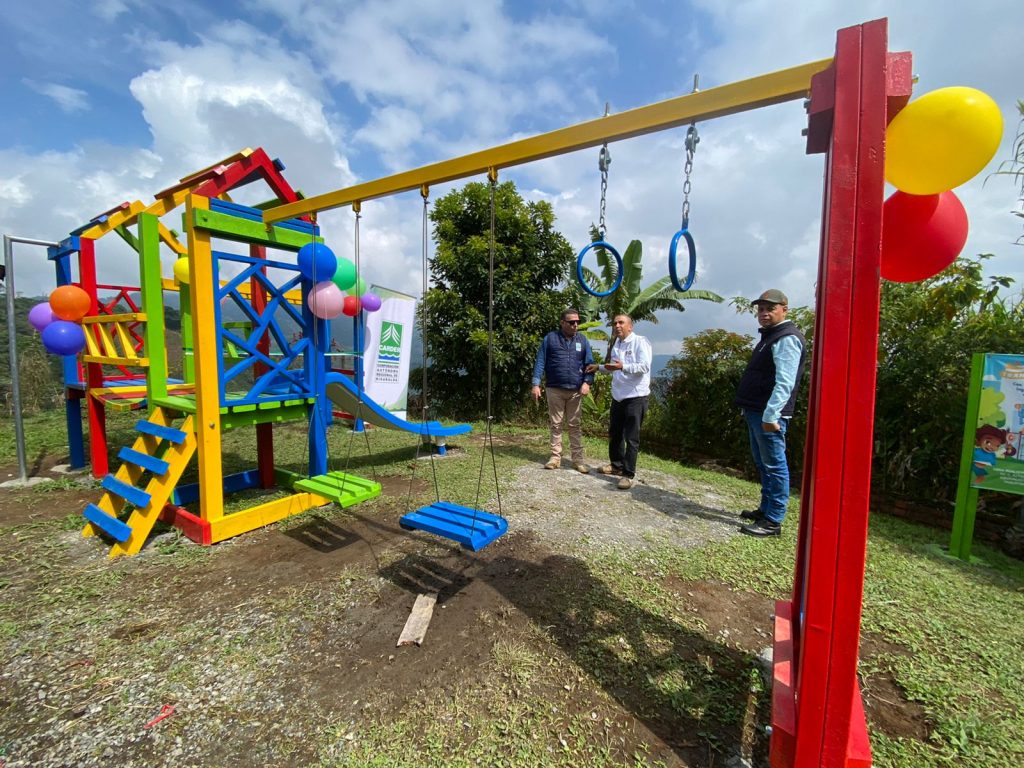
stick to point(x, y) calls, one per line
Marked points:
point(750, 514)
point(763, 527)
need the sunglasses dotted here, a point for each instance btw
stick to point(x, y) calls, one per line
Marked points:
point(572, 322)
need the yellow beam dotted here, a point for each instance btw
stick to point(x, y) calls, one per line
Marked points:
point(127, 362)
point(256, 517)
point(204, 336)
point(161, 207)
point(761, 91)
point(124, 317)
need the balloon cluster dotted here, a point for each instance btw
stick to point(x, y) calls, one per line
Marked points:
point(328, 298)
point(58, 320)
point(935, 143)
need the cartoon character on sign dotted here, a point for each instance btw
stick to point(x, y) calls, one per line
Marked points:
point(1012, 385)
point(987, 441)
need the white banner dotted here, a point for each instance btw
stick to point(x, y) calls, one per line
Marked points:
point(387, 350)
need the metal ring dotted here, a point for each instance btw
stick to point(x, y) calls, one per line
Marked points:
point(579, 268)
point(672, 260)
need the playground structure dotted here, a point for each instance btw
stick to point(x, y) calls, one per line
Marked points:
point(817, 710)
point(236, 374)
point(272, 367)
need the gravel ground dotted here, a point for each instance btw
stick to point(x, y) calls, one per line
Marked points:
point(594, 511)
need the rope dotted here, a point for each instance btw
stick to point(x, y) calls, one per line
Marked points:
point(424, 408)
point(492, 174)
point(358, 416)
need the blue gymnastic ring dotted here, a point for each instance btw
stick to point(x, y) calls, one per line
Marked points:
point(579, 268)
point(685, 233)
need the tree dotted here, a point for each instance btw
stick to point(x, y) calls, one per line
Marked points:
point(928, 332)
point(631, 298)
point(698, 386)
point(1014, 167)
point(531, 261)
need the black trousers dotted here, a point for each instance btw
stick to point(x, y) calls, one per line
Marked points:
point(624, 433)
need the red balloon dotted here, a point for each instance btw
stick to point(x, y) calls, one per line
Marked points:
point(351, 306)
point(69, 302)
point(921, 235)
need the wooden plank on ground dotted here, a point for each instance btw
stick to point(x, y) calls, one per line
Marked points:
point(418, 621)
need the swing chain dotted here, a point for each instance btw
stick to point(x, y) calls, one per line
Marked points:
point(604, 159)
point(692, 140)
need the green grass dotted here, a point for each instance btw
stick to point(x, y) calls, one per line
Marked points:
point(951, 633)
point(956, 630)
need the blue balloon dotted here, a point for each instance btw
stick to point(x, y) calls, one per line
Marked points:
point(63, 338)
point(317, 262)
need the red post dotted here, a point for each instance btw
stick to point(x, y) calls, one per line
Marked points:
point(264, 432)
point(847, 122)
point(93, 371)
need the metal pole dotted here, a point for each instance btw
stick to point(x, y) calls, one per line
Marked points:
point(12, 345)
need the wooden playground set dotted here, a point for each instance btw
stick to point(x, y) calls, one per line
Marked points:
point(272, 367)
point(253, 374)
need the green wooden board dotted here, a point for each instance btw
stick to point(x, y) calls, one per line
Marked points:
point(244, 230)
point(344, 490)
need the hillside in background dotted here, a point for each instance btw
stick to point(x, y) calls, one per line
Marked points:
point(40, 373)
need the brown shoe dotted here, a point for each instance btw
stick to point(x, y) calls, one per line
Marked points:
point(608, 469)
point(582, 468)
point(553, 463)
point(625, 483)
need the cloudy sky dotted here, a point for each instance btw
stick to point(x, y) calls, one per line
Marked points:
point(112, 100)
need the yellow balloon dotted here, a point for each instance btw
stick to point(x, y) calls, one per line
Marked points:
point(181, 270)
point(941, 140)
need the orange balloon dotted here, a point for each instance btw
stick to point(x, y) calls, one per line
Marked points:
point(69, 302)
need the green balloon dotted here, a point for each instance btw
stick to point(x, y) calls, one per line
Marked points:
point(345, 275)
point(357, 289)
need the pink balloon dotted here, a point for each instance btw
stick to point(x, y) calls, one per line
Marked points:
point(326, 300)
point(371, 301)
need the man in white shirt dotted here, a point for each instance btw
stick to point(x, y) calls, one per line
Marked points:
point(630, 367)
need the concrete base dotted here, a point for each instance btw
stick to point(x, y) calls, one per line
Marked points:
point(65, 469)
point(27, 483)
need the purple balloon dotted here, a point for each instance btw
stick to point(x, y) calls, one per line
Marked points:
point(63, 338)
point(326, 300)
point(41, 316)
point(371, 301)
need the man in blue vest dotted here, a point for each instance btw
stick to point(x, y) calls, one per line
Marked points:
point(562, 360)
point(767, 395)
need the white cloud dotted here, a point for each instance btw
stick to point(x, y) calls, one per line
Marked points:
point(67, 98)
point(406, 83)
point(14, 191)
point(109, 10)
point(466, 68)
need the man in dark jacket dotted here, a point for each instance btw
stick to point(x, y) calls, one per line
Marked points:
point(562, 360)
point(767, 395)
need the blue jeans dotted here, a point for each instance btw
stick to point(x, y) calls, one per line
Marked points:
point(769, 452)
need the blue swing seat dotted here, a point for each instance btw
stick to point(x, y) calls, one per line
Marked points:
point(472, 528)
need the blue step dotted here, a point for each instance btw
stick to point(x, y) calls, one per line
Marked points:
point(175, 436)
point(134, 496)
point(472, 528)
point(144, 460)
point(107, 523)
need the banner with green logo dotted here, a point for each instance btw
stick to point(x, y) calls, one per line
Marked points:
point(387, 350)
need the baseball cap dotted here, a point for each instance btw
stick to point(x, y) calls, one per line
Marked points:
point(771, 296)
